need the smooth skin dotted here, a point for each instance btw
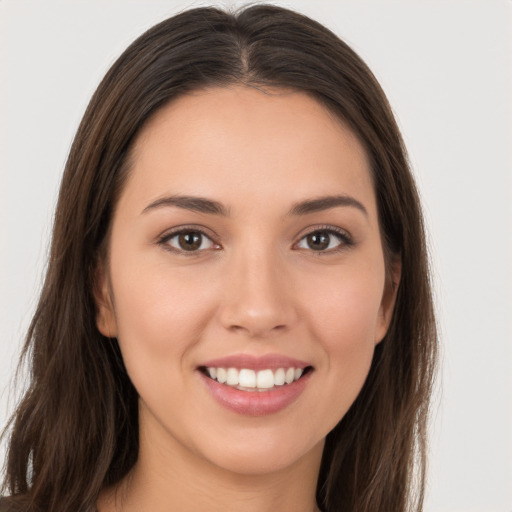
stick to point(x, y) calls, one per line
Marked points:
point(262, 276)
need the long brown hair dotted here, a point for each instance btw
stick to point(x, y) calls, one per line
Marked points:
point(75, 431)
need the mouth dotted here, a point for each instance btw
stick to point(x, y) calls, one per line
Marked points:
point(256, 386)
point(248, 379)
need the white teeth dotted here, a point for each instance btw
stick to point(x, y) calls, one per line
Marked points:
point(247, 378)
point(221, 375)
point(232, 377)
point(250, 380)
point(279, 377)
point(265, 379)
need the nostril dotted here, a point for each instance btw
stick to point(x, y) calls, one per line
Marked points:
point(255, 328)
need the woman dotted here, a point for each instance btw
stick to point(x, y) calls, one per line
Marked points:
point(237, 311)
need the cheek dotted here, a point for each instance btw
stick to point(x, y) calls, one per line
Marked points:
point(344, 316)
point(160, 316)
point(345, 308)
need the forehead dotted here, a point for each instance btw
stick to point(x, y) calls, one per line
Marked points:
point(239, 142)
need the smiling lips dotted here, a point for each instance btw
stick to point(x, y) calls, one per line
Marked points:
point(251, 380)
point(255, 386)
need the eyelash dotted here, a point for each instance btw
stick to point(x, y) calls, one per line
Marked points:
point(344, 238)
point(164, 240)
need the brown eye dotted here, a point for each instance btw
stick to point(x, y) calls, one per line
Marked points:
point(189, 241)
point(324, 240)
point(318, 241)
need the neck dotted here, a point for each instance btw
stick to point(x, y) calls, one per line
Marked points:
point(170, 477)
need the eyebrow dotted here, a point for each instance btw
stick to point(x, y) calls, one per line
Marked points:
point(193, 203)
point(209, 206)
point(325, 203)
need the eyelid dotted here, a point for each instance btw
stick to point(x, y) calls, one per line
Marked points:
point(170, 233)
point(346, 239)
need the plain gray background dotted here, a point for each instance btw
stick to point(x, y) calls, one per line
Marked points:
point(446, 67)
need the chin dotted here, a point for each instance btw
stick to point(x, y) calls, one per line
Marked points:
point(265, 456)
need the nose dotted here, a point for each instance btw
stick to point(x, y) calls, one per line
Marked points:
point(258, 299)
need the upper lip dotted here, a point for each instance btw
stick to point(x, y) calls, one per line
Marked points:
point(268, 361)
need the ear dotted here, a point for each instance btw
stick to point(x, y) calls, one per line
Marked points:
point(387, 305)
point(105, 316)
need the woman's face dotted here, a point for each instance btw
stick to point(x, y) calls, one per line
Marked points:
point(245, 246)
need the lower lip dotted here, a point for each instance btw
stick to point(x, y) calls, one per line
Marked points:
point(256, 403)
